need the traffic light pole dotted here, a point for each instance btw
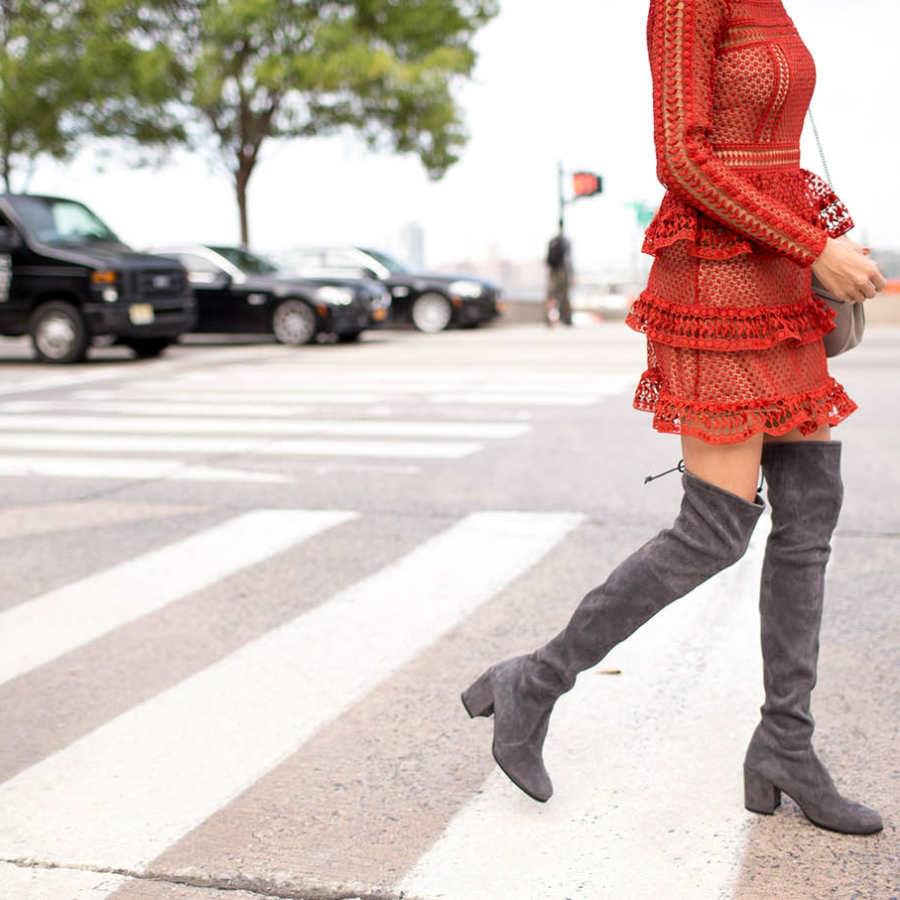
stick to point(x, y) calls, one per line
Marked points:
point(562, 198)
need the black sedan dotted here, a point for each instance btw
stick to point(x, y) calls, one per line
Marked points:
point(239, 292)
point(431, 301)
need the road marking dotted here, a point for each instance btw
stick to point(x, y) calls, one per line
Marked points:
point(382, 449)
point(333, 383)
point(127, 469)
point(154, 407)
point(518, 399)
point(314, 378)
point(646, 768)
point(115, 443)
point(338, 427)
point(41, 629)
point(49, 382)
point(125, 792)
point(33, 883)
point(305, 447)
point(187, 396)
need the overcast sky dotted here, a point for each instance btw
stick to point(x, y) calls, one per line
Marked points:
point(566, 79)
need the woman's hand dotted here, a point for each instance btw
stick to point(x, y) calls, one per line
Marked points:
point(845, 270)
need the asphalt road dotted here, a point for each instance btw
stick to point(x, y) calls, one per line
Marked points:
point(242, 587)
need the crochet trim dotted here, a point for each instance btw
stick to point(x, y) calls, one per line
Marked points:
point(730, 423)
point(729, 328)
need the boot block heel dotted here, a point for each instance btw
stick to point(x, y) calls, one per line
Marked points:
point(760, 795)
point(478, 698)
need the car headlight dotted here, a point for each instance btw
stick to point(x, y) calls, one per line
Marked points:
point(467, 289)
point(336, 296)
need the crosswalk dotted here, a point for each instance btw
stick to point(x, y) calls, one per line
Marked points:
point(119, 804)
point(88, 608)
point(156, 428)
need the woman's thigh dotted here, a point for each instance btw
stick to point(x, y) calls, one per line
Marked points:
point(732, 467)
point(735, 467)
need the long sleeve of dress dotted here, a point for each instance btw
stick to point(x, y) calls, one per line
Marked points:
point(682, 38)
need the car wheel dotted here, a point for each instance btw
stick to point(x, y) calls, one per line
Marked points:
point(431, 312)
point(348, 337)
point(294, 322)
point(148, 348)
point(59, 333)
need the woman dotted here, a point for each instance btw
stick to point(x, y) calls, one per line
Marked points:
point(737, 367)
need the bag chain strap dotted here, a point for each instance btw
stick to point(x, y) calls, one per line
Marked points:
point(819, 145)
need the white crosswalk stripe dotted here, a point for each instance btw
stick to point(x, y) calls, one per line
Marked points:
point(274, 447)
point(85, 610)
point(334, 385)
point(132, 469)
point(515, 399)
point(146, 392)
point(161, 407)
point(310, 447)
point(217, 732)
point(177, 425)
point(621, 737)
point(248, 411)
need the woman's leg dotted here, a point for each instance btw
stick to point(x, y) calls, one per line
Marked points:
point(710, 533)
point(732, 467)
point(805, 492)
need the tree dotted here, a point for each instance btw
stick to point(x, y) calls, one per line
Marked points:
point(265, 69)
point(75, 69)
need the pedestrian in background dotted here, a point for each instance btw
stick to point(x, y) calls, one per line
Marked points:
point(560, 276)
point(737, 368)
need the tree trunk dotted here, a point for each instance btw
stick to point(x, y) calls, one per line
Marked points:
point(241, 183)
point(6, 172)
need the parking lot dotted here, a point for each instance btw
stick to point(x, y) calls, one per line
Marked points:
point(287, 562)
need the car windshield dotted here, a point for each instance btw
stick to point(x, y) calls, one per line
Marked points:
point(395, 267)
point(61, 222)
point(247, 262)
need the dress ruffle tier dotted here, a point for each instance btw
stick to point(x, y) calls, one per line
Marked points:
point(727, 423)
point(675, 329)
point(801, 190)
point(729, 328)
point(733, 328)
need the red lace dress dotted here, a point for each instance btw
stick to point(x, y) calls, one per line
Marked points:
point(734, 333)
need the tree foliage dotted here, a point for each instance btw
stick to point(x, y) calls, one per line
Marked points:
point(261, 69)
point(73, 69)
point(237, 73)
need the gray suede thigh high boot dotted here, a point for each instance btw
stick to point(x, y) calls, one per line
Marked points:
point(710, 533)
point(805, 493)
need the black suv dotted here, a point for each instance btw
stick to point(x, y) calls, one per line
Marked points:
point(65, 279)
point(431, 301)
point(239, 292)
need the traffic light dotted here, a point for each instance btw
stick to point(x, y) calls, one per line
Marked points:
point(587, 184)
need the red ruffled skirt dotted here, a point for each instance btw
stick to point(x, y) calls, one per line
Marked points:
point(734, 332)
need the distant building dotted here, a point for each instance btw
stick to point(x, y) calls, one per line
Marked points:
point(412, 242)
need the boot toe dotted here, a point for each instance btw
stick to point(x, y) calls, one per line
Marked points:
point(863, 820)
point(526, 771)
point(846, 817)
